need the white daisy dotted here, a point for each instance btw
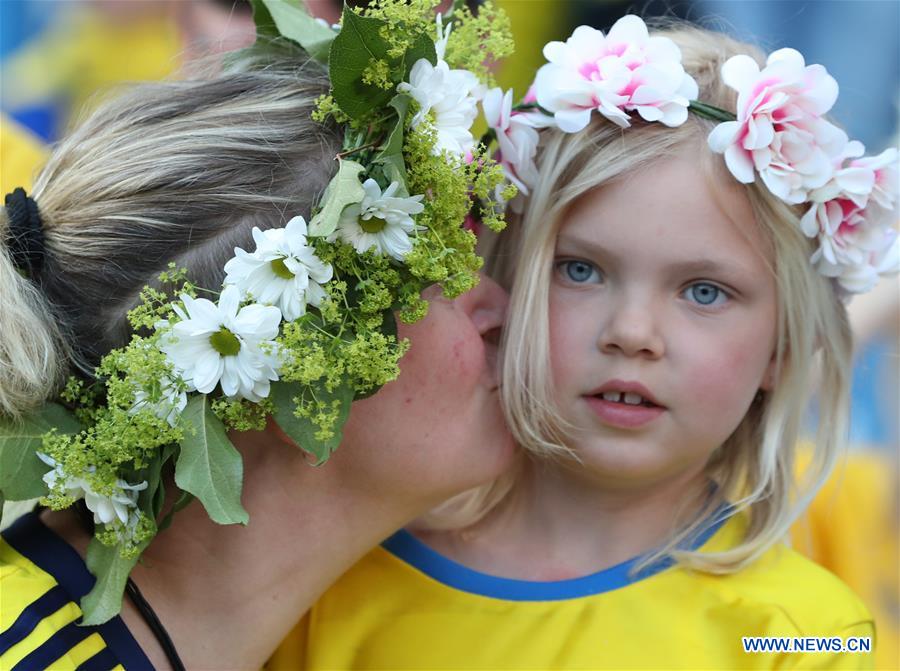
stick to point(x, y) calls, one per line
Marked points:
point(283, 271)
point(215, 344)
point(380, 221)
point(166, 400)
point(118, 506)
point(452, 98)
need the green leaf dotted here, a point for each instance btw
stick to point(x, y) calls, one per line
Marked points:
point(152, 499)
point(344, 189)
point(423, 47)
point(183, 502)
point(104, 601)
point(21, 472)
point(265, 24)
point(355, 47)
point(295, 23)
point(208, 466)
point(390, 155)
point(301, 430)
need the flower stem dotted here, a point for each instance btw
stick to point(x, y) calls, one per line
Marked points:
point(348, 152)
point(710, 112)
point(525, 107)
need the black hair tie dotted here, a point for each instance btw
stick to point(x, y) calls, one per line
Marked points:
point(25, 238)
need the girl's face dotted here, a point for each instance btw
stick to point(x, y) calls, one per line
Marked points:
point(662, 322)
point(438, 429)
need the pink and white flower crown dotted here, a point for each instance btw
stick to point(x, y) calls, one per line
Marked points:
point(779, 131)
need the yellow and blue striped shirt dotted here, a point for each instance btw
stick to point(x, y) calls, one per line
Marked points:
point(42, 580)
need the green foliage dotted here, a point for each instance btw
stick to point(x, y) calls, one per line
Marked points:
point(21, 472)
point(104, 601)
point(209, 467)
point(378, 73)
point(265, 24)
point(312, 415)
point(344, 189)
point(404, 22)
point(276, 18)
point(390, 154)
point(325, 108)
point(477, 42)
point(367, 61)
point(240, 414)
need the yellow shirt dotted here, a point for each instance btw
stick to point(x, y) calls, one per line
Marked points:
point(406, 607)
point(852, 529)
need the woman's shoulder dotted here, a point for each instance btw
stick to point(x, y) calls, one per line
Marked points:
point(42, 579)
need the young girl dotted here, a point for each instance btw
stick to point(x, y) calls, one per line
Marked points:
point(665, 324)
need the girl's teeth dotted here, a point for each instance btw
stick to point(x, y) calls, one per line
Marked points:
point(619, 397)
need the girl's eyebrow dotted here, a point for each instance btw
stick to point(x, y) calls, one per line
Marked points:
point(732, 269)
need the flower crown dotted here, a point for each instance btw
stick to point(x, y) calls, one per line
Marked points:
point(305, 322)
point(779, 132)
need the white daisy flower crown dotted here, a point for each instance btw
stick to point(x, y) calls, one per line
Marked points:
point(305, 321)
point(779, 133)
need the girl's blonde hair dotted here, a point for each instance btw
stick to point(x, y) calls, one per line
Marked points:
point(756, 466)
point(169, 172)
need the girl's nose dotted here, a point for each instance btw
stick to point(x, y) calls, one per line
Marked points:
point(633, 330)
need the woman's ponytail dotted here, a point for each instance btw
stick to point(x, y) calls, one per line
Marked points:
point(32, 349)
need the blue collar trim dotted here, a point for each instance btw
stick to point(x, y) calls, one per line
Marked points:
point(414, 552)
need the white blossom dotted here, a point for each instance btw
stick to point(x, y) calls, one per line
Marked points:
point(121, 505)
point(451, 96)
point(381, 221)
point(220, 343)
point(283, 270)
point(166, 401)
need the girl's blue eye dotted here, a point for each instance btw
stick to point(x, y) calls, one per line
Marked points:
point(705, 294)
point(579, 272)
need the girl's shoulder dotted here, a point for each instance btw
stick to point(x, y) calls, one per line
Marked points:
point(781, 579)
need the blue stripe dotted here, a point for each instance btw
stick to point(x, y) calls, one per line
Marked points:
point(411, 550)
point(30, 538)
point(53, 648)
point(102, 661)
point(52, 600)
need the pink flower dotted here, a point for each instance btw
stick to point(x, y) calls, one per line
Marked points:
point(516, 136)
point(856, 240)
point(780, 130)
point(624, 71)
point(884, 176)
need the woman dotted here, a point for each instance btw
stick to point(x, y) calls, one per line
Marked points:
point(181, 172)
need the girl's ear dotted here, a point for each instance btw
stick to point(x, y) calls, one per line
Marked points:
point(770, 376)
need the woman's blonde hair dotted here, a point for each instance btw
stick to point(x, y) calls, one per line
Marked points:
point(169, 172)
point(756, 466)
